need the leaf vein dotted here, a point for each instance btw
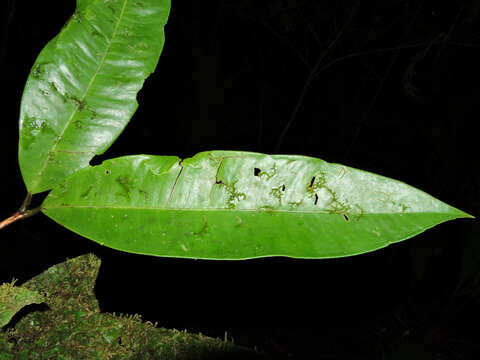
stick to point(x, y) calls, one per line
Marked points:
point(82, 98)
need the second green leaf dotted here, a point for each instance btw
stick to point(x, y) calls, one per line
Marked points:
point(238, 205)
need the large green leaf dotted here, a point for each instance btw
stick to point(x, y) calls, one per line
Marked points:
point(237, 205)
point(82, 89)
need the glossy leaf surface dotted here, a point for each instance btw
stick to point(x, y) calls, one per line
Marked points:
point(81, 91)
point(237, 205)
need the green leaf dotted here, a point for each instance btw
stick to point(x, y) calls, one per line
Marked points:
point(13, 298)
point(81, 91)
point(238, 205)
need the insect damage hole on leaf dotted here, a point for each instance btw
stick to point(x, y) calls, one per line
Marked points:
point(292, 227)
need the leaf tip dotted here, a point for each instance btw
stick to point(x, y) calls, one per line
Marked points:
point(462, 214)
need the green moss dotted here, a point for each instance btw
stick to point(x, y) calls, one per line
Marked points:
point(278, 192)
point(234, 196)
point(13, 298)
point(71, 326)
point(269, 175)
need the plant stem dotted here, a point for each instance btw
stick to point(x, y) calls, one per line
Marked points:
point(25, 203)
point(31, 212)
point(312, 75)
point(21, 213)
point(11, 219)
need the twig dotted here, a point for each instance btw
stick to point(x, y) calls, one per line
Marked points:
point(22, 212)
point(395, 48)
point(310, 78)
point(11, 219)
point(369, 109)
point(449, 34)
point(19, 216)
point(370, 52)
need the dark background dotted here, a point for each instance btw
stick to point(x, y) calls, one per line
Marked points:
point(391, 87)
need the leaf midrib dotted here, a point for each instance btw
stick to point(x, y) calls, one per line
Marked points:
point(82, 98)
point(266, 211)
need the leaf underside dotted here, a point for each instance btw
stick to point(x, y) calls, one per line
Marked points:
point(81, 91)
point(239, 205)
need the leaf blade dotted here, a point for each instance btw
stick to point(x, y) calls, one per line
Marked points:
point(238, 205)
point(81, 91)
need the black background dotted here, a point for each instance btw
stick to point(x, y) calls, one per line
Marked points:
point(396, 92)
